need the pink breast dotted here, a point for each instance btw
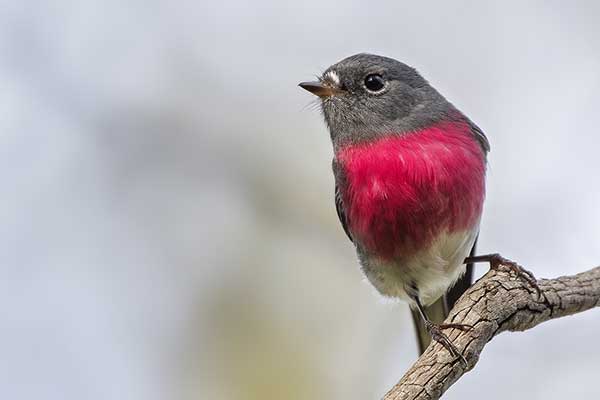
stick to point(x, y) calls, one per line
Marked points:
point(403, 191)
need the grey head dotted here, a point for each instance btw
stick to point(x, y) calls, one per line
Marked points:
point(366, 96)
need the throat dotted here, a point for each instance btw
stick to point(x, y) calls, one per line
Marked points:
point(400, 192)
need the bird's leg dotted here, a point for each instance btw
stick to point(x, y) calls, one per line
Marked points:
point(496, 261)
point(435, 331)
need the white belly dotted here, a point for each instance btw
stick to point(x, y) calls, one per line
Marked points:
point(432, 270)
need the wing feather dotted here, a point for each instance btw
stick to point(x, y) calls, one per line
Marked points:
point(341, 212)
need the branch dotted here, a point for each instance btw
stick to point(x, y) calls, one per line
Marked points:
point(500, 301)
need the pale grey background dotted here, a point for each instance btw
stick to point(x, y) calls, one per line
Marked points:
point(168, 228)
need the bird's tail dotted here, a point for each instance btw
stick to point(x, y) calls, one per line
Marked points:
point(438, 311)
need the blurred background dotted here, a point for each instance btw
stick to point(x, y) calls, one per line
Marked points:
point(168, 227)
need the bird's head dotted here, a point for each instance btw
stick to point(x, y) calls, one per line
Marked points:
point(366, 96)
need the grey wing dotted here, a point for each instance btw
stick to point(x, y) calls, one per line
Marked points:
point(341, 212)
point(480, 136)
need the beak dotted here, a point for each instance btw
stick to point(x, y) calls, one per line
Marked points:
point(319, 89)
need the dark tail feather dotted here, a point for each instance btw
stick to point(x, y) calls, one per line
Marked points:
point(438, 311)
point(462, 284)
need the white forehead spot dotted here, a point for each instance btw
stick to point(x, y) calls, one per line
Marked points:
point(333, 76)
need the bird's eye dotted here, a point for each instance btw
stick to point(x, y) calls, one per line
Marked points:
point(374, 82)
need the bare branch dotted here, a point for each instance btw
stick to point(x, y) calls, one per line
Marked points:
point(498, 302)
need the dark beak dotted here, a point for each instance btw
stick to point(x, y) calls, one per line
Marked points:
point(319, 89)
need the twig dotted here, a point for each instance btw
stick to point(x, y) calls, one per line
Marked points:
point(500, 301)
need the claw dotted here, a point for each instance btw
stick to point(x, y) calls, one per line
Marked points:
point(497, 261)
point(436, 334)
point(461, 327)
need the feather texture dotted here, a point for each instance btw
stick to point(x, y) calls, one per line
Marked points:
point(401, 191)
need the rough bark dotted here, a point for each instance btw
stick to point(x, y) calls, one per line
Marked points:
point(500, 301)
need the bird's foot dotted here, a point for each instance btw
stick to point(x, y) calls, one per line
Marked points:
point(497, 262)
point(435, 331)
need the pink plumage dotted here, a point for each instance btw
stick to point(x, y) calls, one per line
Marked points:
point(402, 191)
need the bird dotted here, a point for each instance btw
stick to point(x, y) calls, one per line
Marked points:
point(410, 174)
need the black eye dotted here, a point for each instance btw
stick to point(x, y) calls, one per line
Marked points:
point(374, 82)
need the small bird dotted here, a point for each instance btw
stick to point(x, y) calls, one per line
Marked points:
point(409, 184)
